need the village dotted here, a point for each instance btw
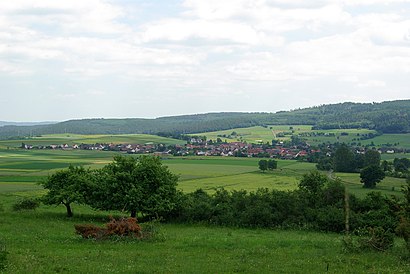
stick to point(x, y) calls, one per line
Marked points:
point(196, 147)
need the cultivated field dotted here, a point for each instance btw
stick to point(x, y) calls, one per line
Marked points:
point(266, 134)
point(20, 170)
point(44, 241)
point(71, 139)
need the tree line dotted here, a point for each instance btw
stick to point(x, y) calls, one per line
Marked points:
point(386, 117)
point(144, 187)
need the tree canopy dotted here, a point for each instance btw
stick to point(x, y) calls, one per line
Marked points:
point(371, 175)
point(66, 187)
point(140, 185)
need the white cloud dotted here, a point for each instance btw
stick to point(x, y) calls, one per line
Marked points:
point(206, 49)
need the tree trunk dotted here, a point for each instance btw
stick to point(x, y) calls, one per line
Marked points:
point(69, 211)
point(133, 213)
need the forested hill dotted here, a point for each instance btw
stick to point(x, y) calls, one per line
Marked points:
point(388, 117)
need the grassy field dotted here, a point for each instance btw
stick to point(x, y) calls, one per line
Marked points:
point(22, 169)
point(71, 139)
point(44, 242)
point(396, 140)
point(266, 134)
point(256, 134)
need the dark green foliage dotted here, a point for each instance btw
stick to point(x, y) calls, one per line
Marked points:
point(3, 256)
point(313, 182)
point(401, 165)
point(403, 228)
point(26, 204)
point(67, 186)
point(344, 159)
point(197, 207)
point(371, 175)
point(141, 185)
point(372, 158)
point(375, 210)
point(263, 165)
point(317, 204)
point(267, 165)
point(325, 163)
point(272, 164)
point(387, 117)
point(386, 166)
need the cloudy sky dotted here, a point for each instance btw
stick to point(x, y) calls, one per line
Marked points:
point(68, 59)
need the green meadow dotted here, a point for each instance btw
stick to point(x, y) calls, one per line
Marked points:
point(71, 139)
point(43, 241)
point(256, 134)
point(260, 134)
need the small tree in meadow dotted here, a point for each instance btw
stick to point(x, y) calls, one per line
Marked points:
point(263, 165)
point(272, 164)
point(141, 185)
point(371, 175)
point(67, 186)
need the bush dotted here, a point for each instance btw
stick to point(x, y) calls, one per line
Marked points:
point(90, 231)
point(376, 238)
point(26, 204)
point(403, 230)
point(123, 227)
point(371, 238)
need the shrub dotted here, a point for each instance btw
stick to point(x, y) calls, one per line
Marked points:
point(403, 230)
point(371, 238)
point(26, 204)
point(90, 231)
point(122, 227)
point(376, 238)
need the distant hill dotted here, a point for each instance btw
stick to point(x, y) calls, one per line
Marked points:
point(387, 117)
point(4, 123)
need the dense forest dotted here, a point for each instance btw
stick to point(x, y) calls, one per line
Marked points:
point(386, 117)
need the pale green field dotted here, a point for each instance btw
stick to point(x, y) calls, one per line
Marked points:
point(71, 139)
point(260, 134)
point(256, 134)
point(352, 134)
point(398, 140)
point(21, 170)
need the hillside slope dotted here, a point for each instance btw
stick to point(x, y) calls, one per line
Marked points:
point(388, 117)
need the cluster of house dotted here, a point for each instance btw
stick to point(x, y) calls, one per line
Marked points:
point(235, 149)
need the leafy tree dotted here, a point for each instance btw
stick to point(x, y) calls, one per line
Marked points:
point(263, 165)
point(386, 166)
point(401, 165)
point(325, 163)
point(143, 185)
point(67, 186)
point(313, 182)
point(371, 175)
point(344, 160)
point(372, 157)
point(272, 164)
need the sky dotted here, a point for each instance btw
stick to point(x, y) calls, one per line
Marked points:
point(73, 59)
